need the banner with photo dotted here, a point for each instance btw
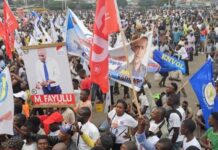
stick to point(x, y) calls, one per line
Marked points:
point(139, 61)
point(79, 40)
point(6, 103)
point(49, 76)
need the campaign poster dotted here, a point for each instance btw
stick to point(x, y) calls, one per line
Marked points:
point(49, 77)
point(138, 52)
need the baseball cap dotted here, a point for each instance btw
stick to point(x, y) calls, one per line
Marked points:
point(66, 128)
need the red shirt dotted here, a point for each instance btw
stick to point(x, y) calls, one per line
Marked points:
point(85, 84)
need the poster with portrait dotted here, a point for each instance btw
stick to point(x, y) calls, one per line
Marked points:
point(48, 76)
point(140, 62)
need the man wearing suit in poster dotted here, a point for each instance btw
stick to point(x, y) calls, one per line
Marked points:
point(48, 74)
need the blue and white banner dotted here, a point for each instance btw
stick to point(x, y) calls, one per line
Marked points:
point(78, 37)
point(6, 103)
point(168, 63)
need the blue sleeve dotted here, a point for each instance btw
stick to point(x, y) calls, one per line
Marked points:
point(141, 139)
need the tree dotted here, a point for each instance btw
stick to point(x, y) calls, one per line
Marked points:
point(122, 3)
point(145, 3)
point(149, 3)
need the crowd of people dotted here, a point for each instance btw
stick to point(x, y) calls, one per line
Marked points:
point(164, 121)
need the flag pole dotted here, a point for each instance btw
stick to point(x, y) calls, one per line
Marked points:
point(135, 100)
point(183, 85)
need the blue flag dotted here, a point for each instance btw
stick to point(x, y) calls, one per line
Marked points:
point(78, 37)
point(203, 86)
point(168, 63)
point(215, 107)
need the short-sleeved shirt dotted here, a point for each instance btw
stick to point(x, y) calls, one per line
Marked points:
point(212, 137)
point(175, 122)
point(144, 102)
point(193, 142)
point(91, 130)
point(120, 125)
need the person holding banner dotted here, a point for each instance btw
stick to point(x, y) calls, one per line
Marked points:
point(47, 74)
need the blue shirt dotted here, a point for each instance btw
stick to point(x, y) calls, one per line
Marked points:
point(176, 36)
point(141, 139)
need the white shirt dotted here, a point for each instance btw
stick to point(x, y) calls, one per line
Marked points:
point(154, 128)
point(153, 140)
point(216, 30)
point(199, 113)
point(144, 102)
point(120, 124)
point(91, 130)
point(32, 146)
point(182, 53)
point(182, 111)
point(53, 71)
point(193, 142)
point(191, 40)
point(176, 122)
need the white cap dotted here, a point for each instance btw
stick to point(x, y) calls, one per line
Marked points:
point(21, 95)
point(181, 43)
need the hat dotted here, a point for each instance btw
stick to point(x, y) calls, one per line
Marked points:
point(181, 43)
point(22, 95)
point(66, 128)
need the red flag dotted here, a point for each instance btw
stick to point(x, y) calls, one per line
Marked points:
point(1, 29)
point(10, 24)
point(106, 22)
point(9, 18)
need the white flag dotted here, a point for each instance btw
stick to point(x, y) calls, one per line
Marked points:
point(32, 41)
point(107, 101)
point(37, 32)
point(54, 34)
point(6, 103)
point(46, 38)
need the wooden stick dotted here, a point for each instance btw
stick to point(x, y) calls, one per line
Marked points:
point(42, 46)
point(184, 84)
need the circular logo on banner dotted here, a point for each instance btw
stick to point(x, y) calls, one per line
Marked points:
point(34, 91)
point(3, 87)
point(210, 93)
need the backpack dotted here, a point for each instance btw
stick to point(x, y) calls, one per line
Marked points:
point(159, 133)
point(169, 112)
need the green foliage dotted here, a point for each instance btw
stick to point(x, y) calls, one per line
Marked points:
point(122, 3)
point(55, 5)
point(18, 3)
point(149, 3)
